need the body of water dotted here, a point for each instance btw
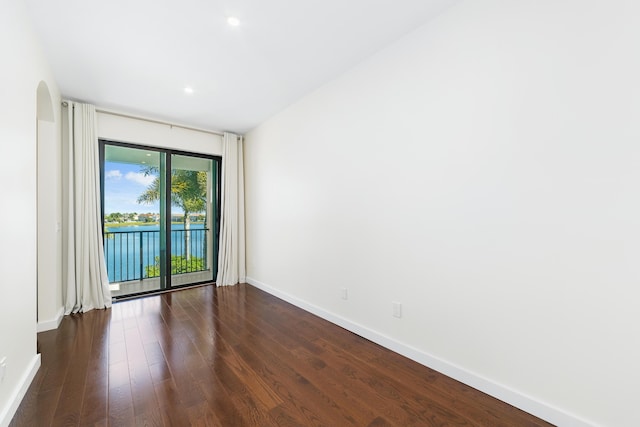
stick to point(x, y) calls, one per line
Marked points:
point(130, 249)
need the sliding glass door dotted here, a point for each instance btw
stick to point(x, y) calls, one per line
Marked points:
point(161, 214)
point(192, 210)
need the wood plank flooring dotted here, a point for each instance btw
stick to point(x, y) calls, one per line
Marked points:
point(236, 356)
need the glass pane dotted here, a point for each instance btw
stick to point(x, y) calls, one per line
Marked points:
point(192, 220)
point(132, 219)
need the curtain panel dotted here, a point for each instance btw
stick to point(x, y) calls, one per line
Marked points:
point(85, 282)
point(231, 256)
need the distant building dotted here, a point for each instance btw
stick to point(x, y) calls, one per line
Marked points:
point(148, 217)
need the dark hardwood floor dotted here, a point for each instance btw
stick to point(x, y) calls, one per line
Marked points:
point(236, 356)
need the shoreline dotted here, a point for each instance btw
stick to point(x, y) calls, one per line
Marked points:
point(140, 223)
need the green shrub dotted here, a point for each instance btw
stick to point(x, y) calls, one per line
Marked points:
point(179, 265)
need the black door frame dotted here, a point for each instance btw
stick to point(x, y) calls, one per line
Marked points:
point(166, 266)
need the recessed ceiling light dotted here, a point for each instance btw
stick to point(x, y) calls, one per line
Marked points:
point(188, 90)
point(233, 21)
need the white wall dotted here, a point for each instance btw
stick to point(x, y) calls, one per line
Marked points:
point(484, 172)
point(23, 67)
point(135, 131)
point(49, 213)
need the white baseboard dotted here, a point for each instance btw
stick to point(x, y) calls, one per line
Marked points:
point(513, 397)
point(48, 325)
point(21, 389)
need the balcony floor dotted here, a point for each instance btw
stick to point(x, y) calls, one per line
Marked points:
point(132, 287)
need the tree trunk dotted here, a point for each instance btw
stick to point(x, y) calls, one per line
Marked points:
point(205, 245)
point(187, 235)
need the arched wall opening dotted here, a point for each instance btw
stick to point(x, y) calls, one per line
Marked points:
point(48, 212)
point(44, 104)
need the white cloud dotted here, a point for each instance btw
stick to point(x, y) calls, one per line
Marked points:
point(114, 174)
point(140, 178)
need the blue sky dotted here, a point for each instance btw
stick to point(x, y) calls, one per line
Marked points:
point(123, 183)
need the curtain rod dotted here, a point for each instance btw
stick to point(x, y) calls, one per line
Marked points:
point(160, 122)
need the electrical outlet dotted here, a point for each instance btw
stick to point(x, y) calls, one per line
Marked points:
point(3, 368)
point(397, 309)
point(343, 293)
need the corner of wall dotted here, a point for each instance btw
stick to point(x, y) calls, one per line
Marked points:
point(19, 392)
point(51, 324)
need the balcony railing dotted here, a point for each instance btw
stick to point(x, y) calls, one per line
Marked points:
point(134, 255)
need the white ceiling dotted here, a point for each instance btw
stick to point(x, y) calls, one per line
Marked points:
point(137, 56)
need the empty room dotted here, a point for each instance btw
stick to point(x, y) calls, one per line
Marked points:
point(320, 213)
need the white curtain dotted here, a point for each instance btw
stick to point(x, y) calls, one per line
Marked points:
point(85, 282)
point(231, 257)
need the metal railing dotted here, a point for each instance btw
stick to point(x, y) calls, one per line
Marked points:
point(135, 255)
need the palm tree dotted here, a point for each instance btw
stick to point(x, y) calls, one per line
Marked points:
point(188, 192)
